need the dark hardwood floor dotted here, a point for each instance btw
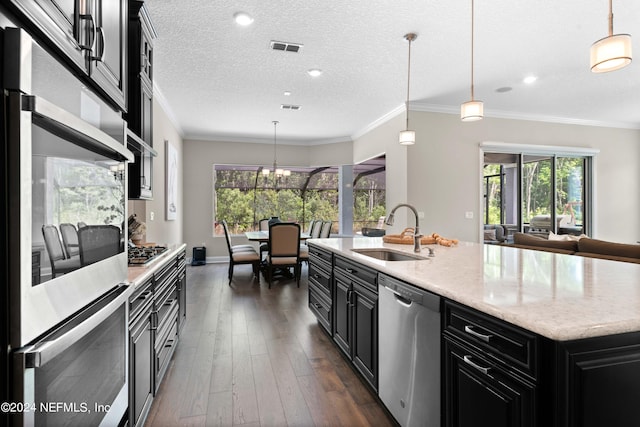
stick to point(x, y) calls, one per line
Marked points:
point(249, 355)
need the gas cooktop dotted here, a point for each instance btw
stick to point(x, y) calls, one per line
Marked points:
point(143, 255)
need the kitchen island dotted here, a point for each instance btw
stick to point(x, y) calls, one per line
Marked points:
point(553, 339)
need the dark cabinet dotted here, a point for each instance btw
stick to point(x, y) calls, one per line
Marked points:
point(140, 177)
point(600, 381)
point(320, 299)
point(156, 313)
point(491, 371)
point(141, 35)
point(165, 318)
point(479, 392)
point(140, 353)
point(107, 60)
point(140, 101)
point(355, 316)
point(91, 36)
point(182, 289)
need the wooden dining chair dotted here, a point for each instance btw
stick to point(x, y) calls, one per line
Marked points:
point(240, 254)
point(284, 249)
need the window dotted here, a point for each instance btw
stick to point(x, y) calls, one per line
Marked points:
point(244, 196)
point(538, 191)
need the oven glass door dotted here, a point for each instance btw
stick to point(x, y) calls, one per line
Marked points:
point(78, 374)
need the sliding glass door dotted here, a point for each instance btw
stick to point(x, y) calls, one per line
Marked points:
point(538, 193)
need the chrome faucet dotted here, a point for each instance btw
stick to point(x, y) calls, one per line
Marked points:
point(416, 231)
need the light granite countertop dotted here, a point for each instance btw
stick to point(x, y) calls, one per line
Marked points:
point(561, 297)
point(139, 273)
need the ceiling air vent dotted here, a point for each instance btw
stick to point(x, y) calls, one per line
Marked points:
point(286, 47)
point(289, 107)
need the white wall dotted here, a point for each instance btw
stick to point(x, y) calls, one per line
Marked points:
point(200, 158)
point(159, 230)
point(443, 169)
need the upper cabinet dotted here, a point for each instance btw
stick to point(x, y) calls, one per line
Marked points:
point(140, 101)
point(90, 34)
point(141, 35)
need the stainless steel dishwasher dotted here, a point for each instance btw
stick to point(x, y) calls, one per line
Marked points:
point(409, 352)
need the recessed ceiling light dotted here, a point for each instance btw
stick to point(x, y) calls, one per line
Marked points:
point(243, 18)
point(504, 89)
point(314, 72)
point(529, 79)
point(287, 93)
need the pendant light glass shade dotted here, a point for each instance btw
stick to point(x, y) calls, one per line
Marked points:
point(408, 137)
point(471, 111)
point(611, 53)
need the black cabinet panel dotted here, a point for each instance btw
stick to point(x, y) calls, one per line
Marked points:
point(480, 393)
point(600, 380)
point(90, 36)
point(365, 334)
point(341, 315)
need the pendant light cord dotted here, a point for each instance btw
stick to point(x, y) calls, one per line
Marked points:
point(409, 38)
point(275, 145)
point(472, 28)
point(610, 18)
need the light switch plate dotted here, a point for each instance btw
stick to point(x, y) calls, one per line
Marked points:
point(152, 215)
point(468, 214)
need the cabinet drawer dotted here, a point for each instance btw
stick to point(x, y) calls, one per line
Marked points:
point(503, 343)
point(315, 254)
point(353, 271)
point(320, 277)
point(321, 307)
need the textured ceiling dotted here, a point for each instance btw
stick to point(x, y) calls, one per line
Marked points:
point(223, 82)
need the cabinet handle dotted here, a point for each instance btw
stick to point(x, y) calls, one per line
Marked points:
point(351, 271)
point(316, 276)
point(87, 32)
point(468, 361)
point(316, 305)
point(98, 56)
point(469, 329)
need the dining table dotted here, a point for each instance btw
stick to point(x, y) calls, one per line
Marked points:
point(263, 236)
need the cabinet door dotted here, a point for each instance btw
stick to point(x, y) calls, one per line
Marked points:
point(140, 371)
point(341, 313)
point(108, 58)
point(601, 381)
point(365, 334)
point(59, 22)
point(479, 394)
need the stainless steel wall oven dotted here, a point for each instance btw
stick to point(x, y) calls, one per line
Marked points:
point(66, 184)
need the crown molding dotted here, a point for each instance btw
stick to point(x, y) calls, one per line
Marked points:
point(158, 96)
point(252, 140)
point(501, 114)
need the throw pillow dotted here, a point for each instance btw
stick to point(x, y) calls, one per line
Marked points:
point(490, 235)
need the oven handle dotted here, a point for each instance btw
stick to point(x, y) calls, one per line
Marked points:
point(39, 354)
point(60, 121)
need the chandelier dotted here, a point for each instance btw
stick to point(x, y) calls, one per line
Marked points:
point(278, 172)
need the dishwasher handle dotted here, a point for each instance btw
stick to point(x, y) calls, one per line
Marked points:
point(400, 299)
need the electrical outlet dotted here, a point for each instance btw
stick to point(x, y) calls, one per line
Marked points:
point(152, 215)
point(468, 214)
point(421, 215)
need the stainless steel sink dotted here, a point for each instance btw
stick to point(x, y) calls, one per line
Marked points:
point(387, 254)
